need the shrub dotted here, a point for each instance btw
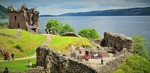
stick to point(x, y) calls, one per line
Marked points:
point(19, 47)
point(135, 64)
point(140, 46)
point(89, 33)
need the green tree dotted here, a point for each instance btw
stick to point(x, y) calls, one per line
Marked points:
point(58, 27)
point(55, 25)
point(67, 28)
point(140, 46)
point(89, 33)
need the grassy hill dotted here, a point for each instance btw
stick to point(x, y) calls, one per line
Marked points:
point(27, 43)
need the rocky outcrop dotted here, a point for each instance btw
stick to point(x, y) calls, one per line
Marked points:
point(50, 62)
point(119, 41)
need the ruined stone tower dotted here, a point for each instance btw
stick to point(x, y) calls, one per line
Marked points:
point(24, 18)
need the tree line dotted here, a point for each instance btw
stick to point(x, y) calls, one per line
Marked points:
point(60, 28)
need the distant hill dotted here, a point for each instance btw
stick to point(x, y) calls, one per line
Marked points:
point(3, 12)
point(114, 12)
point(47, 15)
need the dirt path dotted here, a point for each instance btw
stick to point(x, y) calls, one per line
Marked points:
point(34, 56)
point(47, 42)
point(48, 39)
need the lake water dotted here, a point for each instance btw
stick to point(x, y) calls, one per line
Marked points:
point(129, 25)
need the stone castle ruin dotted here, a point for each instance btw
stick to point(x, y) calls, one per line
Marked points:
point(50, 62)
point(117, 40)
point(24, 18)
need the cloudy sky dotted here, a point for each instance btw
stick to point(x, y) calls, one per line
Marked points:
point(55, 7)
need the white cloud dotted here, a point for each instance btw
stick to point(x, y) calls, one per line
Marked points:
point(65, 6)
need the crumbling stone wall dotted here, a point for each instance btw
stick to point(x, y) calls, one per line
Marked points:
point(27, 19)
point(112, 65)
point(117, 40)
point(50, 62)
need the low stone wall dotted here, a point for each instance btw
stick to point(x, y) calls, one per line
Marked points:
point(50, 62)
point(117, 40)
point(8, 35)
point(17, 36)
point(112, 65)
point(76, 67)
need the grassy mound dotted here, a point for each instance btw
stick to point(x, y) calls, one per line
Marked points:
point(25, 46)
point(62, 42)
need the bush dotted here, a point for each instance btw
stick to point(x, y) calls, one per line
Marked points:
point(89, 33)
point(19, 47)
point(135, 64)
point(58, 27)
point(140, 46)
point(2, 24)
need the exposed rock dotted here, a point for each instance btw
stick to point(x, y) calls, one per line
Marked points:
point(119, 41)
point(24, 18)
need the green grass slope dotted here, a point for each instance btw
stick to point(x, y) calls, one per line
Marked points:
point(62, 42)
point(28, 42)
point(19, 65)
